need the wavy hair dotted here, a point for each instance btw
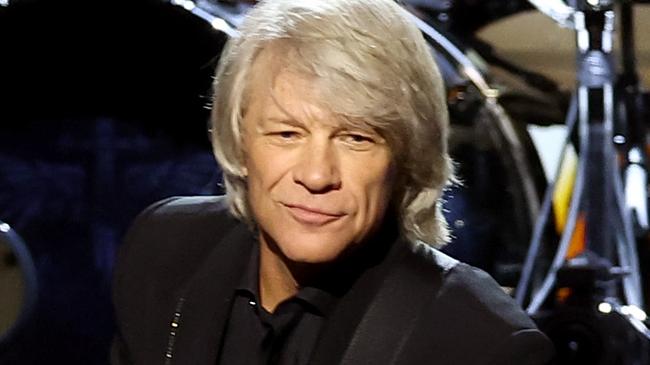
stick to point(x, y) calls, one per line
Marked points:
point(371, 64)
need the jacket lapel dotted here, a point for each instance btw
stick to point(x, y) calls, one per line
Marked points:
point(387, 325)
point(375, 320)
point(342, 323)
point(206, 300)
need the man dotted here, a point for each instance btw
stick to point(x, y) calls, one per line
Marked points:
point(330, 124)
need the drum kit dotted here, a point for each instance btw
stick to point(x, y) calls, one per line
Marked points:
point(582, 280)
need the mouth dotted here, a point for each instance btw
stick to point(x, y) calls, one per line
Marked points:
point(312, 216)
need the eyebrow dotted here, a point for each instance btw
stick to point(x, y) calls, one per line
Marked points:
point(342, 126)
point(284, 120)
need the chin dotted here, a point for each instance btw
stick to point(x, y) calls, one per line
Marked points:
point(311, 248)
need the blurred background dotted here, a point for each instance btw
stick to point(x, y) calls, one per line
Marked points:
point(104, 109)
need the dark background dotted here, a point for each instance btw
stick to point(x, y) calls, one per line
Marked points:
point(103, 110)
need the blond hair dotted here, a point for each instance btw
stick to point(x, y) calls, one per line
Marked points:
point(371, 64)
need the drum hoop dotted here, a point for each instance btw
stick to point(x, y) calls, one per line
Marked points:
point(30, 293)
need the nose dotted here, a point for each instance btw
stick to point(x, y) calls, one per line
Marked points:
point(318, 167)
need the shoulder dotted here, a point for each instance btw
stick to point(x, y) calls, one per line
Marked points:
point(469, 316)
point(483, 296)
point(175, 224)
point(170, 219)
point(184, 206)
point(166, 242)
point(480, 295)
point(175, 230)
point(165, 245)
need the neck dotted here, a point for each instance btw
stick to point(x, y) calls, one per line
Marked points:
point(276, 282)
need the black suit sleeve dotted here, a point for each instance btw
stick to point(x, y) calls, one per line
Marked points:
point(523, 347)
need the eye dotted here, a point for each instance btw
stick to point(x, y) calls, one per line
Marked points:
point(284, 136)
point(287, 134)
point(358, 141)
point(356, 138)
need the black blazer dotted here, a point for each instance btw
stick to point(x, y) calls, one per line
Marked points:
point(177, 270)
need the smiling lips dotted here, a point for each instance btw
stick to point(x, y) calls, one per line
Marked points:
point(311, 216)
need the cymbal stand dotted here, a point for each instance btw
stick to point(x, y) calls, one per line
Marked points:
point(609, 197)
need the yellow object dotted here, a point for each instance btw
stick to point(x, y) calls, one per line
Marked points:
point(562, 199)
point(564, 188)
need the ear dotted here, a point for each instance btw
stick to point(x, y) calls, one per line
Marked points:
point(242, 158)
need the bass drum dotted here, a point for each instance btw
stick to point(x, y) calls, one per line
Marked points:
point(492, 211)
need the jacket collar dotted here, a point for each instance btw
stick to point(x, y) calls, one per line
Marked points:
point(205, 301)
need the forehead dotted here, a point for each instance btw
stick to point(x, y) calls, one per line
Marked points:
point(277, 89)
point(272, 72)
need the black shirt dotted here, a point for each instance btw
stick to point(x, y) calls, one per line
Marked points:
point(287, 336)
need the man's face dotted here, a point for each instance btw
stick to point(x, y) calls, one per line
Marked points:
point(316, 187)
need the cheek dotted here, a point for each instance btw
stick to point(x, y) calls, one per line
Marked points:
point(267, 173)
point(373, 193)
point(264, 165)
point(379, 197)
